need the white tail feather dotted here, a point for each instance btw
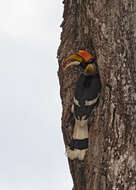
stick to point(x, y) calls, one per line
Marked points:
point(80, 132)
point(80, 129)
point(75, 154)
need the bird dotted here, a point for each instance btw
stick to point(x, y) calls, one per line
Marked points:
point(86, 96)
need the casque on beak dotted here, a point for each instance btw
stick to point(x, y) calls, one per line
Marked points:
point(73, 60)
point(84, 57)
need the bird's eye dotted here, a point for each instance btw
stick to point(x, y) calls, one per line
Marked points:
point(83, 65)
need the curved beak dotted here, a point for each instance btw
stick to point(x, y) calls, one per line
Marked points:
point(76, 63)
point(73, 60)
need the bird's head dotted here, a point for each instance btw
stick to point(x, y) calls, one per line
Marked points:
point(83, 59)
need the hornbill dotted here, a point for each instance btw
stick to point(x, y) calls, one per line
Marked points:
point(86, 96)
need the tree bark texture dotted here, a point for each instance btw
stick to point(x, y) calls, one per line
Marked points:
point(108, 30)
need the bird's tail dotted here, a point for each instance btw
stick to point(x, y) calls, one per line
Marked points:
point(79, 144)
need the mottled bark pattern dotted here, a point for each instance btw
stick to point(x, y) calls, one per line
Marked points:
point(108, 29)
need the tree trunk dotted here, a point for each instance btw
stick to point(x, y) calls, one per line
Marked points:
point(108, 30)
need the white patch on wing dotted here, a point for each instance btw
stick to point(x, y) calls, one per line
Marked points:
point(84, 117)
point(76, 102)
point(91, 102)
point(72, 108)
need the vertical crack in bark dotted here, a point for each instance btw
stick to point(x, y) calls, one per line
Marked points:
point(113, 117)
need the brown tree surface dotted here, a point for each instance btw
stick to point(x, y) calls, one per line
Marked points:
point(108, 30)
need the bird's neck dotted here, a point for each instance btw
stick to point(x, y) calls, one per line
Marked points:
point(91, 69)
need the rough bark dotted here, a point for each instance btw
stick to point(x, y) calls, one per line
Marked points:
point(108, 30)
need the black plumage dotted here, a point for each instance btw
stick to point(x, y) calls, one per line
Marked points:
point(87, 88)
point(86, 97)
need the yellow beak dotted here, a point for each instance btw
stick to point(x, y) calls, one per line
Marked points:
point(75, 60)
point(76, 63)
